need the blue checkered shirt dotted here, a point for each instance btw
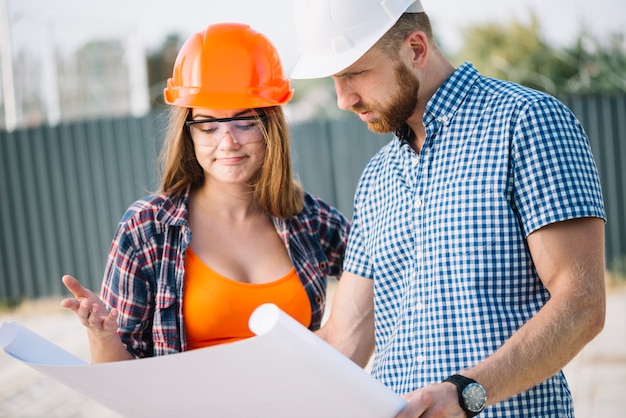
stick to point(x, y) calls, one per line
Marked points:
point(442, 233)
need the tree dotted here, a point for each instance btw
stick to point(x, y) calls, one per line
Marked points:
point(161, 65)
point(517, 52)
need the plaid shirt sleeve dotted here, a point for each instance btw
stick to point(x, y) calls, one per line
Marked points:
point(316, 240)
point(129, 283)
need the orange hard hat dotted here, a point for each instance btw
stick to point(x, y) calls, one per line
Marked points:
point(228, 66)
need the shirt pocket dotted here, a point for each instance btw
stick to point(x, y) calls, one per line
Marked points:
point(468, 215)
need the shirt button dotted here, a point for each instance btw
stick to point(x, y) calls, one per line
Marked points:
point(322, 265)
point(418, 202)
point(415, 160)
point(419, 306)
point(421, 358)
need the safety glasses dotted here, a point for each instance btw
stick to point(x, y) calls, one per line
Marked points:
point(242, 129)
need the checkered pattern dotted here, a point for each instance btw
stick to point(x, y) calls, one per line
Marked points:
point(146, 266)
point(442, 233)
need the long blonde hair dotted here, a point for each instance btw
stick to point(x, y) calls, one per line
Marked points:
point(274, 187)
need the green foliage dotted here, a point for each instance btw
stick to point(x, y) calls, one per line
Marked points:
point(160, 66)
point(315, 99)
point(8, 305)
point(517, 52)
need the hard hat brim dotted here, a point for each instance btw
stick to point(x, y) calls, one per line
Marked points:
point(226, 100)
point(312, 66)
point(338, 51)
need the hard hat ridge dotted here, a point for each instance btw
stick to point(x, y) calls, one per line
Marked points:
point(333, 34)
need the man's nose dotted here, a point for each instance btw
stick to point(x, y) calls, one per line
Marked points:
point(346, 96)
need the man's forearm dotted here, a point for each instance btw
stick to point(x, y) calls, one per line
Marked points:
point(538, 350)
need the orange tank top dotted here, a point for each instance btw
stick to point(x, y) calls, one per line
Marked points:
point(216, 309)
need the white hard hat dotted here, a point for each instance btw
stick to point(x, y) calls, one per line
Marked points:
point(333, 34)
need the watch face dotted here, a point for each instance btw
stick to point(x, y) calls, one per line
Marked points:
point(475, 397)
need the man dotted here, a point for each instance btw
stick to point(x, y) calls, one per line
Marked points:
point(475, 264)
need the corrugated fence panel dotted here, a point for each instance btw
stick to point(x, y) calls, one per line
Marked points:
point(64, 188)
point(329, 156)
point(10, 218)
point(311, 159)
point(352, 147)
point(619, 138)
point(604, 120)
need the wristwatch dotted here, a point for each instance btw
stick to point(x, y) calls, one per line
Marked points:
point(472, 396)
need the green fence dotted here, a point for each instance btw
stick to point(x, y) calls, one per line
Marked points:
point(64, 188)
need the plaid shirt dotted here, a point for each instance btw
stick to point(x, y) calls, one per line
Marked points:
point(146, 266)
point(442, 233)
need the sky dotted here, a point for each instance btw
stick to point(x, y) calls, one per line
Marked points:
point(36, 25)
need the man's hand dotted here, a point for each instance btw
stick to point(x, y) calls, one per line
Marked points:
point(438, 400)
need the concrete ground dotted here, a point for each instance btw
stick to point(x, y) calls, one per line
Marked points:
point(597, 375)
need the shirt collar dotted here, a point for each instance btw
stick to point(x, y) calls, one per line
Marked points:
point(175, 211)
point(451, 94)
point(447, 99)
point(403, 133)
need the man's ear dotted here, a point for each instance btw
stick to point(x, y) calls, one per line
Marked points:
point(416, 44)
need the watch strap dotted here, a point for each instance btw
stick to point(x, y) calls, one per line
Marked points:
point(461, 382)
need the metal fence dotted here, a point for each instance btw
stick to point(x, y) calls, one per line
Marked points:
point(604, 120)
point(64, 188)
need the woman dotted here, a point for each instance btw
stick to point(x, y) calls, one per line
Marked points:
point(230, 229)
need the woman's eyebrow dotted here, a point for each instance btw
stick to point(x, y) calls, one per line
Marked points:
point(247, 112)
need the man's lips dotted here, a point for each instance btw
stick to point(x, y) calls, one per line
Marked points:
point(366, 116)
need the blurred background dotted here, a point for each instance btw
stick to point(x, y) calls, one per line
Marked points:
point(81, 117)
point(81, 110)
point(71, 59)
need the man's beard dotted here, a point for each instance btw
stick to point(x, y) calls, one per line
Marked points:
point(403, 103)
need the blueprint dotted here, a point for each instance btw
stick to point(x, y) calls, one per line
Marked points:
point(284, 371)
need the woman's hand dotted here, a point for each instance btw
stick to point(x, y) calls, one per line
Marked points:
point(90, 310)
